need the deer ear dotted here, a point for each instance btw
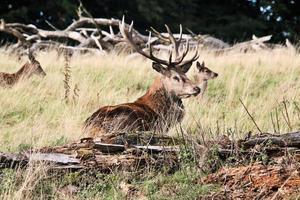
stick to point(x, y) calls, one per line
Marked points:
point(160, 69)
point(185, 68)
point(199, 66)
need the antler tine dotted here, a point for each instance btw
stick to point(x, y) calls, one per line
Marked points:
point(173, 41)
point(150, 50)
point(170, 58)
point(194, 58)
point(111, 31)
point(184, 53)
point(180, 33)
point(149, 38)
point(159, 35)
point(130, 27)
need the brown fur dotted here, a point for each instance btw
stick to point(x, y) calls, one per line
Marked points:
point(26, 71)
point(159, 108)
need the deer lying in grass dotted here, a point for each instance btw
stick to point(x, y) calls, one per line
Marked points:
point(30, 68)
point(202, 76)
point(157, 110)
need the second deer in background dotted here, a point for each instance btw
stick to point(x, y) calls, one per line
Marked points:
point(26, 71)
point(202, 76)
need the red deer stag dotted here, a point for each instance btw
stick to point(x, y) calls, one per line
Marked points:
point(202, 76)
point(30, 68)
point(158, 109)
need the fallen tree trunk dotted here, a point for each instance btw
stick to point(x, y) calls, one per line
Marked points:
point(90, 153)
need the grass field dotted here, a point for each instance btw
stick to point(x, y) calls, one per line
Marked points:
point(34, 113)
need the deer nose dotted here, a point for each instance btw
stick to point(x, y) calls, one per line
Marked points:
point(216, 75)
point(197, 90)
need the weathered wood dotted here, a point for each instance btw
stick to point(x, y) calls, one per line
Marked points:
point(282, 140)
point(109, 148)
point(88, 153)
point(158, 149)
point(57, 158)
point(10, 160)
point(116, 148)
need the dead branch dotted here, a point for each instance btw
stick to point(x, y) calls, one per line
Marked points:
point(88, 34)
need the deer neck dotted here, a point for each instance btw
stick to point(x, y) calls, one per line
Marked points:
point(160, 100)
point(202, 86)
point(23, 73)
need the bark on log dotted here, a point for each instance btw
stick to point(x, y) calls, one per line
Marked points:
point(282, 140)
point(88, 153)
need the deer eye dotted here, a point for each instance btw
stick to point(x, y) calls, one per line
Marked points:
point(176, 78)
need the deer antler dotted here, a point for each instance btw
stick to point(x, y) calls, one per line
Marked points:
point(172, 39)
point(176, 44)
point(127, 34)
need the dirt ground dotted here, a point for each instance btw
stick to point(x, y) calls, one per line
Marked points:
point(256, 181)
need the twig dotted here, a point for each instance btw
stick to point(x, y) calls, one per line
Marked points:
point(288, 121)
point(277, 119)
point(273, 123)
point(297, 109)
point(90, 15)
point(191, 32)
point(250, 116)
point(51, 25)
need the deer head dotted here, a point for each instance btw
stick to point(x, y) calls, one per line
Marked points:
point(35, 66)
point(172, 72)
point(204, 73)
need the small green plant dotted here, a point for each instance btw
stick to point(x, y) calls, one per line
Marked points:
point(213, 162)
point(186, 157)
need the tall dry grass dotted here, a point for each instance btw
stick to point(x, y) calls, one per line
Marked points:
point(34, 113)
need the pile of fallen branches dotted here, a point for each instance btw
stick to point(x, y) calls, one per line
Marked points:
point(100, 35)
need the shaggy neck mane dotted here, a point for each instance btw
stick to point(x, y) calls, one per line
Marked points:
point(160, 100)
